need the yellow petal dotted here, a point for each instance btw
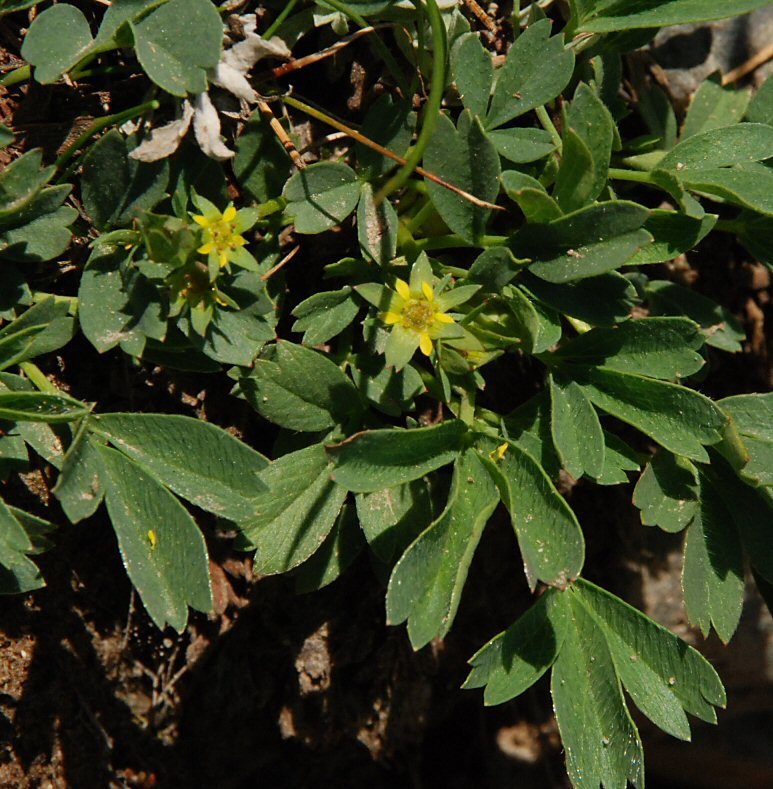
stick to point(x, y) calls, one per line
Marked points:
point(403, 289)
point(223, 259)
point(205, 249)
point(442, 317)
point(426, 289)
point(200, 220)
point(425, 344)
point(390, 318)
point(238, 241)
point(229, 214)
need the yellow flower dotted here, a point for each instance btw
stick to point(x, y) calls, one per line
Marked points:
point(418, 312)
point(221, 234)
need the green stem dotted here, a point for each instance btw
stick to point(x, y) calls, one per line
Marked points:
point(432, 108)
point(382, 48)
point(279, 21)
point(638, 176)
point(421, 216)
point(548, 125)
point(103, 123)
point(21, 74)
point(457, 242)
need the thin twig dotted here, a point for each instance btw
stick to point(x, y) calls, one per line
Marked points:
point(753, 63)
point(482, 16)
point(282, 263)
point(361, 138)
point(309, 60)
point(281, 134)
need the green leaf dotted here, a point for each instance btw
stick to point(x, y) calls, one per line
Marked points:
point(529, 427)
point(712, 575)
point(324, 315)
point(300, 389)
point(605, 300)
point(116, 189)
point(295, 510)
point(56, 41)
point(18, 574)
point(738, 144)
point(720, 327)
point(494, 268)
point(667, 492)
point(20, 182)
point(473, 72)
point(660, 672)
point(105, 301)
point(235, 336)
point(378, 459)
point(752, 417)
point(79, 487)
point(197, 460)
point(391, 518)
point(588, 242)
point(679, 419)
point(177, 42)
point(467, 159)
point(427, 582)
point(713, 106)
point(43, 237)
point(514, 660)
point(376, 227)
point(162, 548)
point(665, 348)
point(537, 69)
point(600, 740)
point(673, 233)
point(748, 186)
point(539, 326)
point(9, 6)
point(261, 164)
point(752, 512)
point(588, 126)
point(120, 12)
point(761, 106)
point(577, 176)
point(6, 135)
point(610, 16)
point(549, 536)
point(532, 198)
point(40, 407)
point(619, 459)
point(43, 328)
point(340, 549)
point(521, 145)
point(576, 430)
point(321, 196)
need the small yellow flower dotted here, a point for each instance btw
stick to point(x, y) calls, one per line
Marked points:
point(418, 312)
point(221, 234)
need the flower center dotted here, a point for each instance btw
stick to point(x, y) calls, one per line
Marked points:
point(417, 315)
point(223, 235)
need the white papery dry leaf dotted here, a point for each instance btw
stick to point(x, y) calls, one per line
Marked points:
point(206, 127)
point(229, 74)
point(164, 140)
